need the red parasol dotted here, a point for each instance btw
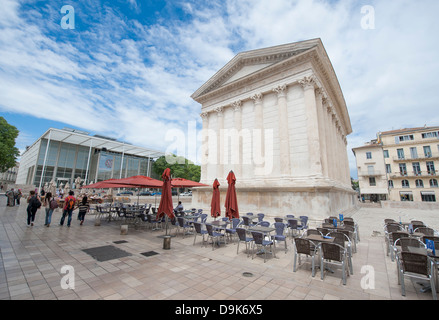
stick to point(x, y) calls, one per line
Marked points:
point(166, 199)
point(184, 183)
point(105, 185)
point(231, 200)
point(138, 181)
point(215, 207)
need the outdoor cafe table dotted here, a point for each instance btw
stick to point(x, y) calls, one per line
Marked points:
point(262, 229)
point(319, 238)
point(219, 224)
point(251, 217)
point(331, 226)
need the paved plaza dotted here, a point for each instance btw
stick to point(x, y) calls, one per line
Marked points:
point(35, 260)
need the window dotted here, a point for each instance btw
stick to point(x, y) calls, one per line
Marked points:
point(400, 153)
point(433, 183)
point(403, 169)
point(414, 153)
point(427, 151)
point(390, 183)
point(416, 168)
point(371, 170)
point(388, 168)
point(433, 134)
point(406, 138)
point(428, 197)
point(368, 155)
point(405, 184)
point(419, 183)
point(386, 152)
point(372, 182)
point(430, 167)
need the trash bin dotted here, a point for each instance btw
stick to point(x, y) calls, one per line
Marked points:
point(167, 242)
point(124, 229)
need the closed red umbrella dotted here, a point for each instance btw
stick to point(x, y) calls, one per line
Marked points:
point(215, 206)
point(166, 206)
point(231, 200)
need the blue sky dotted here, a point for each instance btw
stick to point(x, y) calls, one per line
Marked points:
point(128, 68)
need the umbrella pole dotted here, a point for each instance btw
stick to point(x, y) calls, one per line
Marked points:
point(166, 218)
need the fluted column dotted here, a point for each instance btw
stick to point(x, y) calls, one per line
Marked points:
point(237, 122)
point(308, 85)
point(204, 146)
point(220, 145)
point(258, 135)
point(321, 125)
point(284, 147)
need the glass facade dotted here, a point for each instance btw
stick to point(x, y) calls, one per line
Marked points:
point(65, 162)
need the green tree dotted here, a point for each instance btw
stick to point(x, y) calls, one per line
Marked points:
point(180, 167)
point(8, 151)
point(355, 184)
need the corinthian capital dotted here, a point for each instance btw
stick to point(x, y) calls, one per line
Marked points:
point(236, 105)
point(219, 111)
point(280, 90)
point(257, 98)
point(308, 82)
point(204, 116)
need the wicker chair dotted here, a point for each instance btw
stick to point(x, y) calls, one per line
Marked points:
point(394, 243)
point(199, 231)
point(417, 224)
point(351, 223)
point(242, 237)
point(341, 239)
point(425, 230)
point(212, 234)
point(306, 247)
point(334, 254)
point(292, 226)
point(417, 266)
point(258, 240)
point(388, 229)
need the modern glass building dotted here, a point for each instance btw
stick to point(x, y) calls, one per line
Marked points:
point(63, 155)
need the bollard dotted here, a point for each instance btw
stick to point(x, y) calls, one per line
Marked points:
point(167, 242)
point(124, 229)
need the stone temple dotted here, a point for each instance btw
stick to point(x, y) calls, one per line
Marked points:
point(277, 118)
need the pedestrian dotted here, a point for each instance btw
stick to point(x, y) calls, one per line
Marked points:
point(18, 196)
point(49, 210)
point(11, 197)
point(83, 209)
point(69, 206)
point(34, 204)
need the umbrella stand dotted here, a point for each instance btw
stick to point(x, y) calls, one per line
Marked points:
point(166, 229)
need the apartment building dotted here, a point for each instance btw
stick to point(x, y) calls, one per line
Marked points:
point(409, 158)
point(371, 169)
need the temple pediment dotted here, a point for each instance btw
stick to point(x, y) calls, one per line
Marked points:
point(250, 62)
